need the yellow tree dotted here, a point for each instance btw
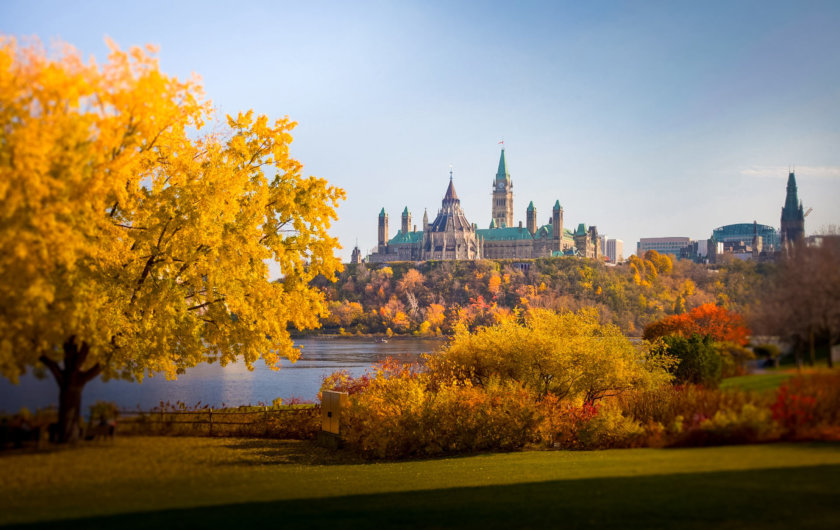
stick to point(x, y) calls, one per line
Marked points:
point(132, 243)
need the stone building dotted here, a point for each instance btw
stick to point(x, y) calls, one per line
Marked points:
point(452, 237)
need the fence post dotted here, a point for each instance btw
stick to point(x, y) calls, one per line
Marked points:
point(265, 413)
point(211, 423)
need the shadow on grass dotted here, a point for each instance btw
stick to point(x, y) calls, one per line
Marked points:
point(263, 451)
point(805, 497)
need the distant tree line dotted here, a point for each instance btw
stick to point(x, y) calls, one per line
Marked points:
point(437, 297)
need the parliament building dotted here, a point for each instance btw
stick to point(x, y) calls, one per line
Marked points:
point(450, 236)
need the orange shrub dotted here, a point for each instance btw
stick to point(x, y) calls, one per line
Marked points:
point(707, 319)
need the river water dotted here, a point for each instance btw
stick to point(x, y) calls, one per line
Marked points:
point(232, 385)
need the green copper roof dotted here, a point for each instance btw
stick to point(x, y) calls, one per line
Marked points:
point(492, 223)
point(581, 230)
point(502, 173)
point(512, 233)
point(792, 205)
point(557, 205)
point(531, 207)
point(404, 239)
point(382, 213)
point(405, 212)
point(547, 232)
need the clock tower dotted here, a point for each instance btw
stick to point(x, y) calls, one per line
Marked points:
point(502, 196)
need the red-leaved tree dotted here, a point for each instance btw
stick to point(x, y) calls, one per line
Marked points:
point(708, 319)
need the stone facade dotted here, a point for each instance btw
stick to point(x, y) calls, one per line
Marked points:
point(452, 237)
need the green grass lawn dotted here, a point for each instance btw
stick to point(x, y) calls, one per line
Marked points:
point(139, 482)
point(756, 382)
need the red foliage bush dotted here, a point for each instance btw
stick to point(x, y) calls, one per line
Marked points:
point(707, 319)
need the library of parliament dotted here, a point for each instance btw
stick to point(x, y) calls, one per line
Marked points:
point(450, 236)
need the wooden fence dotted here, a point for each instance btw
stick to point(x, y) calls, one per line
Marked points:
point(253, 421)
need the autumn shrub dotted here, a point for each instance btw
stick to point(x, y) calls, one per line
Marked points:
point(609, 428)
point(749, 424)
point(561, 420)
point(808, 407)
point(733, 358)
point(400, 414)
point(693, 415)
point(570, 355)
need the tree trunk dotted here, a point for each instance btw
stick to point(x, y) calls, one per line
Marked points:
point(71, 381)
point(830, 347)
point(811, 350)
point(69, 410)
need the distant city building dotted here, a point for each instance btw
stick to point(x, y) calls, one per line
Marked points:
point(793, 215)
point(696, 251)
point(615, 250)
point(743, 234)
point(663, 245)
point(356, 255)
point(452, 237)
point(823, 240)
point(749, 241)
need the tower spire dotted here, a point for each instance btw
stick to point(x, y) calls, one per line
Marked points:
point(502, 174)
point(793, 218)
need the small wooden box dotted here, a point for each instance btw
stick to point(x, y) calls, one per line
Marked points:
point(331, 404)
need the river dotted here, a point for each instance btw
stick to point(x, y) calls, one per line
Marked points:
point(231, 385)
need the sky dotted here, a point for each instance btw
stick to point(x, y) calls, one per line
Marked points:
point(646, 119)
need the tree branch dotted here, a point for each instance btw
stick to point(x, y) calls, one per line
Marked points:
point(91, 373)
point(53, 367)
point(205, 304)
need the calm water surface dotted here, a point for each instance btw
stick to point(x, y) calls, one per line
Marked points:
point(232, 385)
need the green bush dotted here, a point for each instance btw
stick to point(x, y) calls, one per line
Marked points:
point(699, 362)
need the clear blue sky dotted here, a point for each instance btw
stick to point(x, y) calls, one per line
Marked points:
point(644, 118)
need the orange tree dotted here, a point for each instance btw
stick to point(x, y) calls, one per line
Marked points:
point(706, 320)
point(133, 243)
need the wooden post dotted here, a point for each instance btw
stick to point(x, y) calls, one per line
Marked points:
point(265, 413)
point(211, 423)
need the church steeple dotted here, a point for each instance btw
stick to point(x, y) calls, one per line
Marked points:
point(793, 216)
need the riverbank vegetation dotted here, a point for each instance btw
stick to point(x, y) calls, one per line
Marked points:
point(566, 381)
point(437, 297)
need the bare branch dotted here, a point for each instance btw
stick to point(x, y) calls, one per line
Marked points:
point(205, 304)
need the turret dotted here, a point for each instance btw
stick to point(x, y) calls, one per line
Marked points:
point(425, 220)
point(406, 221)
point(557, 225)
point(531, 218)
point(383, 230)
point(757, 241)
point(595, 241)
